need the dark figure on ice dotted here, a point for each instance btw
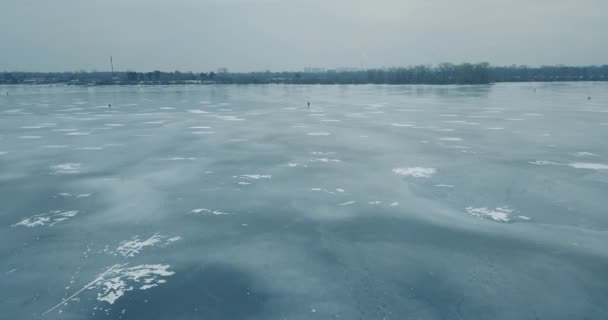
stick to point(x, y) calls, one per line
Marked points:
point(109, 105)
point(588, 98)
point(308, 104)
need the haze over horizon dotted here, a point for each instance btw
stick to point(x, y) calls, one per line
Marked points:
point(248, 35)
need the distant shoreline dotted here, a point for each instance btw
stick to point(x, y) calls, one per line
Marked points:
point(293, 84)
point(442, 74)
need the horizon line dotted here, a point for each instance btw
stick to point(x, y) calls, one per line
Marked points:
point(317, 69)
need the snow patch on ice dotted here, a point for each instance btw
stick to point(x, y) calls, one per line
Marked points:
point(545, 163)
point(295, 164)
point(66, 168)
point(178, 159)
point(230, 118)
point(501, 214)
point(131, 248)
point(585, 154)
point(77, 133)
point(90, 148)
point(325, 160)
point(417, 172)
point(590, 166)
point(208, 211)
point(71, 195)
point(115, 282)
point(50, 219)
point(255, 176)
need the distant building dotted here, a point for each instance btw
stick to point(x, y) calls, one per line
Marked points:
point(222, 70)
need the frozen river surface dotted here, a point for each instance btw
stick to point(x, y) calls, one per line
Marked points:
point(238, 202)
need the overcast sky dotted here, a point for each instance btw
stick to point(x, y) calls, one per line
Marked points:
point(251, 35)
